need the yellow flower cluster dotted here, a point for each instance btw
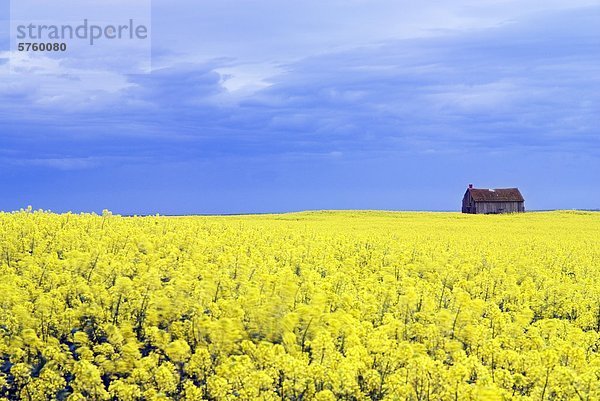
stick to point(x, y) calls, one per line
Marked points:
point(307, 306)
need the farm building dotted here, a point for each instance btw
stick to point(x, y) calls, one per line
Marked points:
point(493, 201)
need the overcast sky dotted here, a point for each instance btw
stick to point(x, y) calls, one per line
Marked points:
point(258, 106)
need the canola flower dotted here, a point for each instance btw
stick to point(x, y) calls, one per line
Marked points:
point(306, 306)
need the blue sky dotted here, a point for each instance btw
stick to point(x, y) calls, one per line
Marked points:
point(259, 106)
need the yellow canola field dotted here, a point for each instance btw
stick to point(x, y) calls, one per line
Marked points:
point(306, 306)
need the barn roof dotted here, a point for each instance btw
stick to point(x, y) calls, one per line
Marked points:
point(496, 195)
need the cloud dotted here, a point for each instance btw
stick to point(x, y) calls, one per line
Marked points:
point(510, 86)
point(526, 84)
point(260, 31)
point(60, 163)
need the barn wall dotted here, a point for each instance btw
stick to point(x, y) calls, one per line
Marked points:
point(499, 207)
point(468, 206)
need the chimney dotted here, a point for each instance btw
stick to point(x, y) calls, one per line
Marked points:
point(470, 186)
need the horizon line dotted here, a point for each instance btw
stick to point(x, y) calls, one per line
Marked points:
point(283, 212)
